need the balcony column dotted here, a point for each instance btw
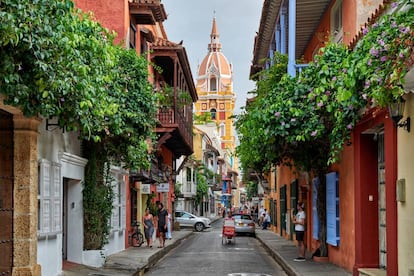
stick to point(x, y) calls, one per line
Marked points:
point(292, 38)
point(277, 37)
point(283, 30)
point(175, 83)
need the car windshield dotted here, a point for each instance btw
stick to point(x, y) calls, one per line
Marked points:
point(241, 216)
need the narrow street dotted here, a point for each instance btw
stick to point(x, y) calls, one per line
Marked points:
point(204, 254)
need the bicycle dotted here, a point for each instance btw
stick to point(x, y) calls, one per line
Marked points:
point(136, 238)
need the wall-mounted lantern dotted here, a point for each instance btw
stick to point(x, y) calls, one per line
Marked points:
point(396, 110)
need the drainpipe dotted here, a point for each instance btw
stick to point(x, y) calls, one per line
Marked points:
point(292, 38)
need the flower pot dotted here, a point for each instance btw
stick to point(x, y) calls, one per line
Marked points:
point(94, 258)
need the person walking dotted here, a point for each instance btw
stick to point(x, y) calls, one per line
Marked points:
point(299, 221)
point(162, 223)
point(148, 222)
point(169, 223)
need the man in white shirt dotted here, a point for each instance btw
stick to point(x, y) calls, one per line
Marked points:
point(266, 220)
point(299, 221)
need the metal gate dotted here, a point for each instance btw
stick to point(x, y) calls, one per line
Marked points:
point(6, 193)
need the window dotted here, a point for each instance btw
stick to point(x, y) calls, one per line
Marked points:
point(336, 22)
point(118, 211)
point(213, 84)
point(132, 36)
point(213, 113)
point(332, 209)
point(188, 174)
point(222, 115)
point(49, 198)
point(222, 129)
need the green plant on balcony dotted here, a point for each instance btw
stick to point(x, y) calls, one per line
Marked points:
point(166, 97)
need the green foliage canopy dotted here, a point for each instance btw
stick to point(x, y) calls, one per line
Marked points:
point(56, 61)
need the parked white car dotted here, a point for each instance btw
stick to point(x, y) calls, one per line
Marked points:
point(189, 220)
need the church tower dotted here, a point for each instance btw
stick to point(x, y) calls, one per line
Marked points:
point(215, 91)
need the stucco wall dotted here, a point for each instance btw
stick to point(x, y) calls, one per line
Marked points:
point(63, 148)
point(344, 254)
point(406, 209)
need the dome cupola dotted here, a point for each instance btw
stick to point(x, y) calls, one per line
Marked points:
point(214, 72)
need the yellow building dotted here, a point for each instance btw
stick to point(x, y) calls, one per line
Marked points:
point(215, 90)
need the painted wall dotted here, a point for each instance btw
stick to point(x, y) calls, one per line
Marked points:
point(63, 148)
point(105, 10)
point(406, 209)
point(344, 254)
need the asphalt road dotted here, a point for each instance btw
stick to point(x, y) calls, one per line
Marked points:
point(204, 254)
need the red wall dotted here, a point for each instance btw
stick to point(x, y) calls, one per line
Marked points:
point(113, 15)
point(366, 185)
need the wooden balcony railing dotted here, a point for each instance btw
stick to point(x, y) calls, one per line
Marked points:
point(172, 118)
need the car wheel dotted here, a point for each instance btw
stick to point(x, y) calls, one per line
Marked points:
point(199, 226)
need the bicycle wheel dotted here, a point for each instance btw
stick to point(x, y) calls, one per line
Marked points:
point(137, 239)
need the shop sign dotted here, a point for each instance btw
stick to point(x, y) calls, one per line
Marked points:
point(163, 188)
point(145, 189)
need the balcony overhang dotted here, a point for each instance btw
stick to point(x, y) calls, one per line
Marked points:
point(147, 12)
point(308, 17)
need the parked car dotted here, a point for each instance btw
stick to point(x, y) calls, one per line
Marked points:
point(189, 220)
point(244, 224)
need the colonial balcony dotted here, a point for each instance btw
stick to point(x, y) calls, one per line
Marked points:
point(176, 130)
point(175, 119)
point(147, 12)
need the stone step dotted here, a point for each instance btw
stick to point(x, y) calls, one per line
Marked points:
point(372, 272)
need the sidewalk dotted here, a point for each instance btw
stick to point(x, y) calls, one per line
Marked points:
point(134, 261)
point(284, 251)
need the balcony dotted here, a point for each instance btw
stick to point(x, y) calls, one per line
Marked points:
point(176, 129)
point(175, 120)
point(147, 12)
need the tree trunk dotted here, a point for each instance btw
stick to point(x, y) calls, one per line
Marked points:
point(321, 209)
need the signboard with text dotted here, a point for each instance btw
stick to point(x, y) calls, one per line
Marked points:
point(145, 188)
point(163, 188)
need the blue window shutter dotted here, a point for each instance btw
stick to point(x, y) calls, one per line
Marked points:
point(332, 209)
point(315, 218)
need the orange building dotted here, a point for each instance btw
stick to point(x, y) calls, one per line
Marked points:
point(364, 182)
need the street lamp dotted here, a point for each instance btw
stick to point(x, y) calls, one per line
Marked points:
point(396, 110)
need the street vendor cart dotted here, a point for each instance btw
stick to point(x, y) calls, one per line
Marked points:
point(229, 232)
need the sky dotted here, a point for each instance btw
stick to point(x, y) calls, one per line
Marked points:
point(237, 24)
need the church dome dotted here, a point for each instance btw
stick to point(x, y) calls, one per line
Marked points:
point(214, 72)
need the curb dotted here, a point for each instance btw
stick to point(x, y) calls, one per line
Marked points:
point(281, 261)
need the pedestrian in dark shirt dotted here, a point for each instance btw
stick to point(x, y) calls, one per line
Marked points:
point(162, 223)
